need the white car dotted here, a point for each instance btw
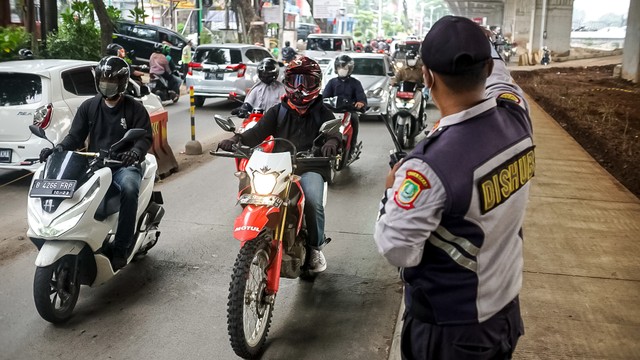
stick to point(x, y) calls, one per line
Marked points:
point(46, 93)
point(374, 72)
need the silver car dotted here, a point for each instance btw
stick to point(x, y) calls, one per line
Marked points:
point(374, 72)
point(221, 70)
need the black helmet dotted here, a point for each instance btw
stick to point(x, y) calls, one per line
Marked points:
point(287, 43)
point(158, 47)
point(268, 70)
point(343, 62)
point(25, 54)
point(115, 50)
point(112, 76)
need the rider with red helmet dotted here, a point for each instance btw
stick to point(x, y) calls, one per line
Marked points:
point(298, 118)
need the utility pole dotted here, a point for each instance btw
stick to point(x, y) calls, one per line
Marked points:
point(379, 18)
point(281, 29)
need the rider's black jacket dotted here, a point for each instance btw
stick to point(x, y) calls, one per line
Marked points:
point(346, 87)
point(288, 53)
point(104, 125)
point(300, 130)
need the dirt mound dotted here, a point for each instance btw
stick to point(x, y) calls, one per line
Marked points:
point(600, 111)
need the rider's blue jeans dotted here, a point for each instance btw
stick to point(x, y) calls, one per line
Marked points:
point(313, 186)
point(127, 180)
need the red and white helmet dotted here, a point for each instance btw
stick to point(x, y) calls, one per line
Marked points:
point(302, 82)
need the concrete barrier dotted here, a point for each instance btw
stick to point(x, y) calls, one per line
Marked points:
point(167, 163)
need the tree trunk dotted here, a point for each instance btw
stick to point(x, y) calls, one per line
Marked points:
point(248, 15)
point(52, 15)
point(106, 26)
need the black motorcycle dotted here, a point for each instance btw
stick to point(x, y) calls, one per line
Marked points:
point(159, 85)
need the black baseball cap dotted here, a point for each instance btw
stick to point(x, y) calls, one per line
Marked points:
point(455, 45)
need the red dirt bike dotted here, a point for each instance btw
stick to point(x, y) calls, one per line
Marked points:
point(273, 236)
point(346, 154)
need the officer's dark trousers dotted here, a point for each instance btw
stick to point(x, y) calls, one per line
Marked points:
point(494, 339)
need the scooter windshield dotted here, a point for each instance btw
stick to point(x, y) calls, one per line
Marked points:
point(407, 86)
point(67, 165)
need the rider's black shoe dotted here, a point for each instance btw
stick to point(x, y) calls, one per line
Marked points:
point(118, 258)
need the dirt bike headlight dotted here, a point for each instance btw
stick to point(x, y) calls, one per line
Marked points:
point(263, 184)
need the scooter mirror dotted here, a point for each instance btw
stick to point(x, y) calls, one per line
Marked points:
point(39, 132)
point(331, 126)
point(225, 124)
point(130, 135)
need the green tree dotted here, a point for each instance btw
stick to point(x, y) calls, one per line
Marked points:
point(77, 37)
point(12, 39)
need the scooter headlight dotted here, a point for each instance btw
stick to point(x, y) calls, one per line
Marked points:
point(263, 184)
point(59, 228)
point(376, 93)
point(401, 104)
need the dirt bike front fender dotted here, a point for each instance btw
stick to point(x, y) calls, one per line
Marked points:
point(251, 221)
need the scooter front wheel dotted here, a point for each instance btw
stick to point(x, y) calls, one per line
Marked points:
point(56, 288)
point(250, 308)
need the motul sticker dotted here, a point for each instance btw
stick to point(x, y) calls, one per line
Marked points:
point(412, 185)
point(247, 228)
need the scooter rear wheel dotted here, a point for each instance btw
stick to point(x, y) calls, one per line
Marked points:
point(56, 288)
point(249, 308)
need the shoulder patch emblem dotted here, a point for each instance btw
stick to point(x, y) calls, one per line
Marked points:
point(412, 185)
point(510, 97)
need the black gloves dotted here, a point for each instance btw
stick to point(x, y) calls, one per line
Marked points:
point(129, 158)
point(227, 144)
point(242, 111)
point(46, 152)
point(330, 148)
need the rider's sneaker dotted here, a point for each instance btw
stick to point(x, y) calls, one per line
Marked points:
point(317, 264)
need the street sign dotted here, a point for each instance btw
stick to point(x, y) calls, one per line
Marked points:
point(271, 14)
point(323, 9)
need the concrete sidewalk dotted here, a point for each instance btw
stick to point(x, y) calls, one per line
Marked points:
point(581, 290)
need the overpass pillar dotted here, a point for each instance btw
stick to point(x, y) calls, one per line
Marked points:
point(631, 57)
point(509, 18)
point(558, 14)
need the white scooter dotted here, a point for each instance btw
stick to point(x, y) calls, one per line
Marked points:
point(72, 216)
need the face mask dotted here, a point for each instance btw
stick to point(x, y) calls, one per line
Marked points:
point(412, 62)
point(108, 89)
point(343, 72)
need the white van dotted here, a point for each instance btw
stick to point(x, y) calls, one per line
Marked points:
point(325, 47)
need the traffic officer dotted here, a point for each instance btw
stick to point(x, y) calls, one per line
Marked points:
point(451, 216)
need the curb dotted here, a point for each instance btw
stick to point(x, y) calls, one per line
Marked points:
point(394, 351)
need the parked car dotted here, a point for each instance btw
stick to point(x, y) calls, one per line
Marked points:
point(304, 29)
point(142, 37)
point(325, 47)
point(46, 93)
point(218, 70)
point(374, 72)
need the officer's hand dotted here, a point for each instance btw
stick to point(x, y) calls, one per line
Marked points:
point(330, 148)
point(396, 157)
point(391, 176)
point(235, 111)
point(129, 158)
point(359, 105)
point(46, 152)
point(227, 144)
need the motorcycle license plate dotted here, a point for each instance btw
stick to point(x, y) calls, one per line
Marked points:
point(254, 199)
point(53, 188)
point(5, 155)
